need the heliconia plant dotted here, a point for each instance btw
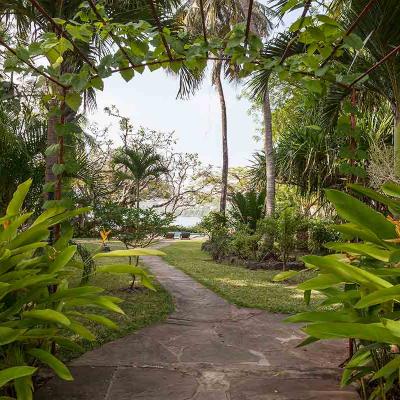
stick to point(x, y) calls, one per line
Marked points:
point(38, 308)
point(361, 286)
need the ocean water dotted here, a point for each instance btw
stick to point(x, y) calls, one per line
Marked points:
point(187, 221)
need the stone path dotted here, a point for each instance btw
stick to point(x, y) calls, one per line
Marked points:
point(208, 349)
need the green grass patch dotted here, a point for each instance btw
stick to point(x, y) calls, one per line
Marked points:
point(142, 307)
point(237, 284)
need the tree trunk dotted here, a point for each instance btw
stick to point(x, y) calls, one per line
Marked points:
point(396, 142)
point(51, 159)
point(224, 131)
point(269, 156)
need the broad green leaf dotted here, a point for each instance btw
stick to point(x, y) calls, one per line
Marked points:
point(10, 374)
point(51, 212)
point(349, 273)
point(47, 315)
point(361, 248)
point(54, 363)
point(98, 301)
point(388, 369)
point(353, 41)
point(322, 281)
point(313, 85)
point(379, 296)
point(391, 189)
point(337, 330)
point(130, 253)
point(52, 149)
point(100, 319)
point(9, 335)
point(82, 331)
point(68, 344)
point(324, 316)
point(14, 207)
point(357, 232)
point(74, 293)
point(62, 259)
point(353, 210)
point(73, 100)
point(24, 388)
point(359, 359)
point(28, 247)
point(375, 196)
point(97, 83)
point(121, 269)
point(127, 74)
point(282, 276)
point(58, 169)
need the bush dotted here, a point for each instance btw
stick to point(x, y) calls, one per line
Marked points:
point(320, 233)
point(245, 244)
point(288, 224)
point(40, 312)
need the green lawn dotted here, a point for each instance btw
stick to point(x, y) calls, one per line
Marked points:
point(142, 307)
point(237, 284)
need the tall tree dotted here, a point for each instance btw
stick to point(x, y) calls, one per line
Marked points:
point(219, 17)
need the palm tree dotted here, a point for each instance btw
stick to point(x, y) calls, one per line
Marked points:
point(139, 167)
point(220, 17)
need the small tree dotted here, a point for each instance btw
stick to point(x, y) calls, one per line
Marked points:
point(134, 227)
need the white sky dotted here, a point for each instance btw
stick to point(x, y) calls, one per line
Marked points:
point(149, 100)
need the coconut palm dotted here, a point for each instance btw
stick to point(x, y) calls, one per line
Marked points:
point(220, 17)
point(139, 167)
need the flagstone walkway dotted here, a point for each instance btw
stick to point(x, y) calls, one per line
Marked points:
point(208, 349)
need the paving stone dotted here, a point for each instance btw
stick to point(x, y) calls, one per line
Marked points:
point(208, 349)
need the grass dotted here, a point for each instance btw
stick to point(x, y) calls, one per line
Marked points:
point(239, 285)
point(142, 307)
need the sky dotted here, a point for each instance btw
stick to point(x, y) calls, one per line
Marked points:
point(149, 100)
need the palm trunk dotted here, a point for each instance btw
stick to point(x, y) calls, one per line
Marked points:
point(224, 131)
point(396, 141)
point(269, 156)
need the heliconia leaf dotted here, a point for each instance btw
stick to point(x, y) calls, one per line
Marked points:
point(9, 335)
point(67, 344)
point(324, 316)
point(15, 205)
point(54, 363)
point(375, 332)
point(121, 269)
point(10, 374)
point(47, 315)
point(388, 369)
point(100, 319)
point(82, 331)
point(379, 296)
point(74, 293)
point(24, 388)
point(322, 281)
point(28, 247)
point(355, 211)
point(361, 248)
point(357, 232)
point(51, 212)
point(130, 253)
point(358, 360)
point(62, 259)
point(391, 189)
point(349, 273)
point(282, 276)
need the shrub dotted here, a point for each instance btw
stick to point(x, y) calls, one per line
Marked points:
point(320, 233)
point(39, 311)
point(245, 244)
point(288, 224)
point(363, 282)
